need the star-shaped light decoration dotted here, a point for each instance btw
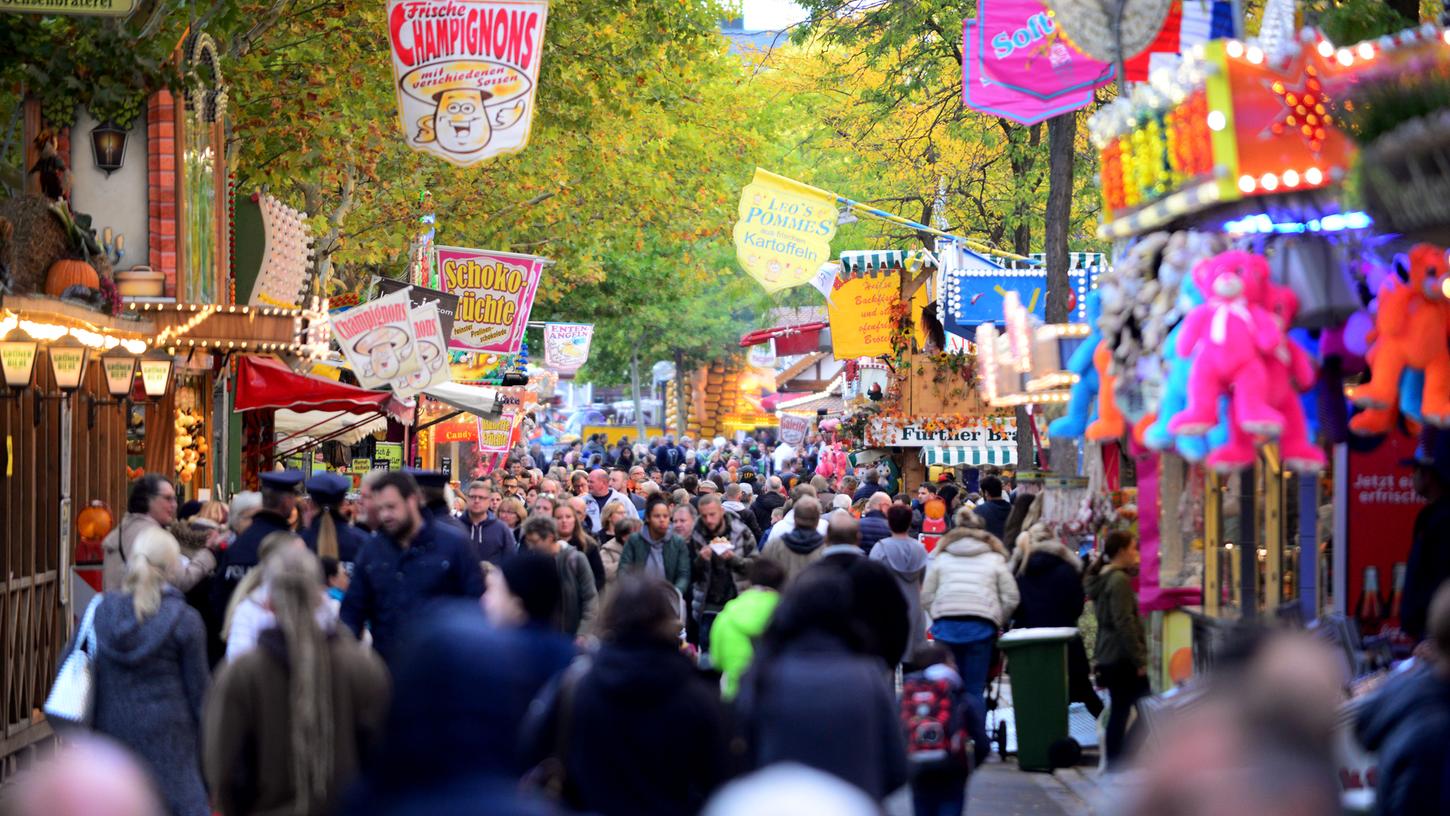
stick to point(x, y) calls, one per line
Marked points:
point(1304, 110)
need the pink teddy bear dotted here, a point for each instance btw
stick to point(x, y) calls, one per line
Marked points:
point(1229, 337)
point(1290, 372)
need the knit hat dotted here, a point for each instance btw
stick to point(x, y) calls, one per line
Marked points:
point(534, 579)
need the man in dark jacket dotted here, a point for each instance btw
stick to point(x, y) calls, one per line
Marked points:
point(432, 490)
point(772, 497)
point(493, 540)
point(279, 503)
point(872, 486)
point(994, 509)
point(873, 521)
point(412, 561)
point(878, 606)
point(717, 576)
point(1429, 562)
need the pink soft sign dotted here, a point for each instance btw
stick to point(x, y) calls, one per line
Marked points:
point(495, 295)
point(1020, 48)
point(981, 93)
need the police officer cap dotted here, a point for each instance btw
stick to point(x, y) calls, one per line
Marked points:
point(328, 488)
point(284, 480)
point(428, 478)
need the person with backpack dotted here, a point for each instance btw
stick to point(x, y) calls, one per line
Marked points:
point(946, 733)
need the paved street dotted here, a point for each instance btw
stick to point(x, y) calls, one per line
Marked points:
point(1000, 789)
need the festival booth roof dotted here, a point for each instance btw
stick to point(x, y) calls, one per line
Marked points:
point(975, 286)
point(484, 402)
point(340, 426)
point(857, 263)
point(789, 340)
point(970, 455)
point(263, 382)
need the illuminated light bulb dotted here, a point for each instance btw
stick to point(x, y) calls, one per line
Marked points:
point(1326, 50)
point(1291, 178)
point(1247, 184)
point(1314, 176)
point(1217, 120)
point(1446, 37)
point(1255, 54)
point(1269, 182)
point(1234, 49)
point(1445, 287)
point(1366, 51)
point(1344, 57)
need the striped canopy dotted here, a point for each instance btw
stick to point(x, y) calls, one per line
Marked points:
point(856, 264)
point(969, 455)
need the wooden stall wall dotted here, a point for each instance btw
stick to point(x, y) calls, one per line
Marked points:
point(34, 623)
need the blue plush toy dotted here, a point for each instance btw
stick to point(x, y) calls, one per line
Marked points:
point(1082, 403)
point(1175, 393)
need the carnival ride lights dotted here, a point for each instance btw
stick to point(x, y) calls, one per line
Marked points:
point(1263, 224)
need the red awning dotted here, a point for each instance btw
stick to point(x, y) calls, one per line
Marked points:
point(802, 339)
point(263, 382)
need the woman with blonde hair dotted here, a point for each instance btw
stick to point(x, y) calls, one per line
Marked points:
point(287, 723)
point(247, 614)
point(150, 672)
point(571, 522)
point(969, 593)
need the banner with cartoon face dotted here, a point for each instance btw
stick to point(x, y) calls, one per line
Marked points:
point(467, 72)
point(378, 339)
point(432, 351)
point(785, 230)
point(566, 346)
point(495, 295)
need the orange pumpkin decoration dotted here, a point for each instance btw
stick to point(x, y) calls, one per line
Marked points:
point(68, 272)
point(94, 522)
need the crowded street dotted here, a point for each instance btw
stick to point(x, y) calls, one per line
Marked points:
point(724, 407)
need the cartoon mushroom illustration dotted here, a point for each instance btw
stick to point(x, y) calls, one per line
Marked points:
point(385, 347)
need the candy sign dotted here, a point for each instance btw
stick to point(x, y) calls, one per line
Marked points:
point(495, 295)
point(785, 230)
point(467, 72)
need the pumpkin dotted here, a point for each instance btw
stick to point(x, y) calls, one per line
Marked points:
point(94, 522)
point(68, 272)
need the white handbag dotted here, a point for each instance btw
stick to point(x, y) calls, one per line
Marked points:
point(72, 696)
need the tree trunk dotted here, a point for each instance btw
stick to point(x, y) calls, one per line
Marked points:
point(680, 418)
point(634, 392)
point(1061, 131)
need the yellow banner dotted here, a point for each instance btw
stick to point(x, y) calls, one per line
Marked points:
point(785, 230)
point(860, 313)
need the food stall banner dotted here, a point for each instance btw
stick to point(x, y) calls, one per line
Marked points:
point(496, 433)
point(495, 295)
point(1020, 48)
point(432, 352)
point(388, 456)
point(929, 432)
point(99, 8)
point(458, 429)
point(420, 296)
point(377, 338)
point(793, 429)
point(860, 314)
point(785, 230)
point(1377, 494)
point(467, 73)
point(983, 94)
point(566, 346)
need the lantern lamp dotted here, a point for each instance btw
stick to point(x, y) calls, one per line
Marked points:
point(120, 371)
point(108, 147)
point(68, 358)
point(17, 357)
point(156, 374)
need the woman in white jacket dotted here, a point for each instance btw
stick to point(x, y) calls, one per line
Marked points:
point(969, 593)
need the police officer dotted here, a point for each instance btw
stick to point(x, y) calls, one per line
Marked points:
point(432, 485)
point(330, 534)
point(279, 504)
point(412, 560)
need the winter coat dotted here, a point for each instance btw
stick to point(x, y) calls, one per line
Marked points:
point(873, 528)
point(866, 491)
point(1050, 586)
point(493, 540)
point(1012, 527)
point(764, 505)
point(847, 726)
point(732, 638)
point(795, 551)
point(1404, 725)
point(643, 734)
point(1428, 566)
point(967, 577)
point(252, 618)
point(249, 725)
point(1121, 640)
point(116, 549)
point(676, 557)
point(746, 516)
point(579, 605)
point(881, 611)
point(149, 681)
point(594, 507)
point(609, 553)
point(907, 560)
point(350, 539)
point(787, 524)
point(994, 513)
point(242, 557)
point(717, 580)
point(392, 583)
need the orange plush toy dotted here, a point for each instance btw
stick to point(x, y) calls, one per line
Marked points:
point(1110, 423)
point(1411, 330)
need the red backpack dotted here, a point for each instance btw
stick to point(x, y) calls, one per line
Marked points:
point(936, 734)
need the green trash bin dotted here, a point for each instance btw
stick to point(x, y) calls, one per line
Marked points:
point(1037, 665)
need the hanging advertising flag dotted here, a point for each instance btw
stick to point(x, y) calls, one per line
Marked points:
point(566, 346)
point(378, 340)
point(467, 73)
point(793, 429)
point(825, 278)
point(761, 355)
point(432, 351)
point(495, 295)
point(495, 433)
point(860, 312)
point(785, 230)
point(1020, 48)
point(983, 94)
point(422, 295)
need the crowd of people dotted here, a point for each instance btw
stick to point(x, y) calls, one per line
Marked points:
point(661, 634)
